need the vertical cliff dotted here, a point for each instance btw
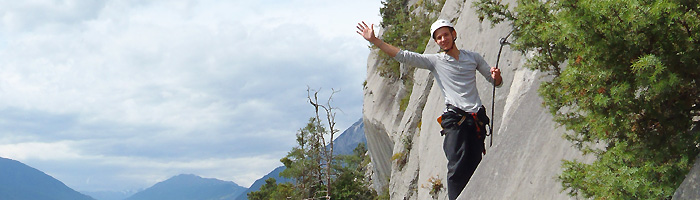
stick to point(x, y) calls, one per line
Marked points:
point(528, 147)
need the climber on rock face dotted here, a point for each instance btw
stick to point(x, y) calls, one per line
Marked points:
point(464, 119)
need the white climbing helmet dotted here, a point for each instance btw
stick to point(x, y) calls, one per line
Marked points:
point(439, 24)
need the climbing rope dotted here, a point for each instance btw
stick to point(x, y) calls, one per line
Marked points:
point(503, 41)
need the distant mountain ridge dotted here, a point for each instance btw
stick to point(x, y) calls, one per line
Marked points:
point(261, 181)
point(111, 195)
point(190, 187)
point(346, 142)
point(19, 181)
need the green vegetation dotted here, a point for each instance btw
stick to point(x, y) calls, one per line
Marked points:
point(304, 166)
point(315, 171)
point(406, 27)
point(403, 104)
point(435, 186)
point(401, 158)
point(272, 190)
point(625, 83)
point(350, 180)
point(384, 195)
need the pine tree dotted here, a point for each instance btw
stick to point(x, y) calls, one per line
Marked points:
point(315, 171)
point(625, 84)
point(350, 182)
point(272, 191)
point(303, 163)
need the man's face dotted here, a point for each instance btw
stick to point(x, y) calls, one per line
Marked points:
point(444, 37)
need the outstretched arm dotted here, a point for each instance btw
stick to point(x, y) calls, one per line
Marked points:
point(367, 32)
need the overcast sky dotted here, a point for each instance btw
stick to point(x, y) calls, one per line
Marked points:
point(122, 94)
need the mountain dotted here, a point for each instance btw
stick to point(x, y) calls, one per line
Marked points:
point(190, 187)
point(20, 182)
point(260, 182)
point(348, 140)
point(110, 195)
point(344, 144)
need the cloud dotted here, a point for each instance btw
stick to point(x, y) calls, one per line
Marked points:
point(128, 93)
point(30, 15)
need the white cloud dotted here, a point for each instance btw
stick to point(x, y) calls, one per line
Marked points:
point(157, 88)
point(60, 150)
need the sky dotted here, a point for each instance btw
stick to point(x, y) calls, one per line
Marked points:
point(121, 94)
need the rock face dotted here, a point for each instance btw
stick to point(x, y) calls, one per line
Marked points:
point(528, 147)
point(527, 150)
point(690, 188)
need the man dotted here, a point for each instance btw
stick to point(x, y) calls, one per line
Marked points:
point(464, 119)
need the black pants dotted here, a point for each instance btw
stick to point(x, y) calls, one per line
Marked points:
point(463, 149)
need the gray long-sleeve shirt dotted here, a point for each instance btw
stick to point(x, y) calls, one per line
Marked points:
point(456, 78)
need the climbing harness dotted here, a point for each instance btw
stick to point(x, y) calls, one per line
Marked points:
point(503, 42)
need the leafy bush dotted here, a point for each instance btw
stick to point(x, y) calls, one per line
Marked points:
point(625, 83)
point(401, 158)
point(407, 28)
point(403, 104)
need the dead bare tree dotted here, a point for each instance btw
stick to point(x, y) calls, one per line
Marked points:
point(329, 111)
